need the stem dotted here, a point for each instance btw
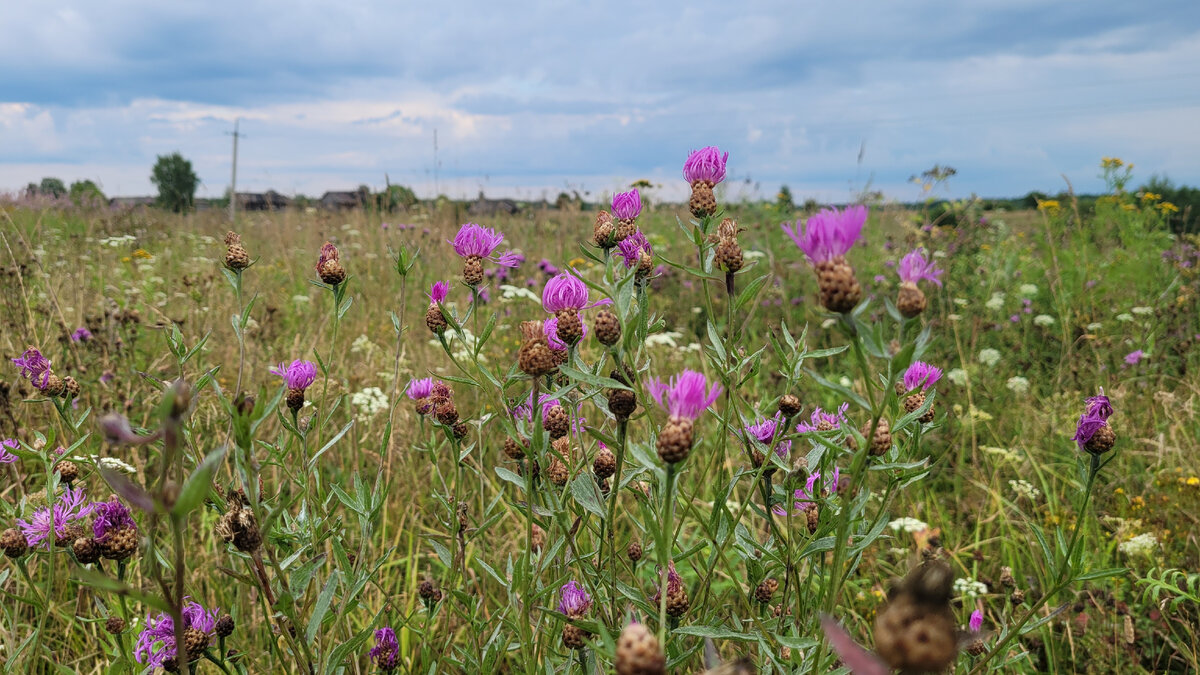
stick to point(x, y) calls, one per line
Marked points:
point(614, 491)
point(664, 554)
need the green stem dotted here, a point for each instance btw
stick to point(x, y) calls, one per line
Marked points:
point(664, 553)
point(613, 493)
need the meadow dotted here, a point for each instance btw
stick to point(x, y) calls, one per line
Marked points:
point(729, 453)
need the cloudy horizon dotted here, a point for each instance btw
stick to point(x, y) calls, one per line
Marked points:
point(1016, 95)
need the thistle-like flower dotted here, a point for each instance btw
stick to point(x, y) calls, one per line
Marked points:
point(475, 243)
point(637, 254)
point(764, 431)
point(703, 169)
point(156, 646)
point(59, 520)
point(329, 265)
point(114, 529)
point(626, 206)
point(919, 379)
point(686, 396)
point(824, 421)
point(575, 602)
point(913, 268)
point(805, 497)
point(1093, 433)
point(435, 320)
point(386, 652)
point(564, 296)
point(825, 239)
point(6, 457)
point(296, 377)
point(535, 358)
point(421, 392)
point(677, 597)
point(36, 368)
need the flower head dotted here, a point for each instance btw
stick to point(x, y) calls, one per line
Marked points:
point(1096, 417)
point(686, 395)
point(976, 622)
point(824, 421)
point(386, 651)
point(764, 430)
point(574, 600)
point(1134, 357)
point(627, 205)
point(6, 457)
point(829, 233)
point(81, 334)
point(707, 164)
point(550, 328)
point(299, 375)
point(805, 496)
point(156, 643)
point(110, 516)
point(674, 582)
point(34, 367)
point(631, 248)
point(329, 253)
point(476, 240)
point(914, 267)
point(921, 375)
point(438, 292)
point(420, 388)
point(567, 291)
point(53, 520)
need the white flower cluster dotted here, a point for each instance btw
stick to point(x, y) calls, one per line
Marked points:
point(908, 525)
point(1018, 384)
point(1043, 320)
point(118, 241)
point(1028, 290)
point(1002, 453)
point(996, 302)
point(369, 401)
point(1142, 311)
point(663, 339)
point(968, 588)
point(957, 376)
point(508, 292)
point(362, 344)
point(1143, 544)
point(1025, 489)
point(989, 357)
point(112, 464)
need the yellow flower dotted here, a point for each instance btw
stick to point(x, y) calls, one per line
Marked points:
point(986, 247)
point(1137, 502)
point(1150, 197)
point(1193, 481)
point(575, 262)
point(1111, 163)
point(142, 254)
point(1050, 205)
point(1128, 207)
point(126, 259)
point(1168, 207)
point(1119, 491)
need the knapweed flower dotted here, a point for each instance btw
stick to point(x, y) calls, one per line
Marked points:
point(564, 296)
point(59, 520)
point(686, 396)
point(825, 239)
point(677, 598)
point(114, 529)
point(35, 368)
point(1135, 357)
point(6, 445)
point(1092, 432)
point(296, 377)
point(913, 268)
point(703, 169)
point(329, 265)
point(805, 497)
point(626, 206)
point(764, 431)
point(920, 376)
point(386, 652)
point(636, 252)
point(475, 243)
point(574, 601)
point(976, 621)
point(156, 646)
point(421, 391)
point(81, 334)
point(824, 421)
point(435, 320)
point(550, 328)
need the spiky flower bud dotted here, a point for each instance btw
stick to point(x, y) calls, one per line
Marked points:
point(537, 540)
point(13, 543)
point(638, 652)
point(911, 300)
point(224, 626)
point(880, 441)
point(515, 450)
point(702, 202)
point(70, 387)
point(67, 470)
point(557, 423)
point(115, 625)
point(86, 550)
point(435, 320)
point(634, 551)
point(329, 265)
point(236, 257)
point(461, 430)
point(473, 270)
point(789, 405)
point(535, 357)
point(766, 589)
point(1102, 441)
point(607, 327)
point(675, 440)
point(605, 463)
point(447, 412)
point(1006, 577)
point(428, 591)
point(239, 526)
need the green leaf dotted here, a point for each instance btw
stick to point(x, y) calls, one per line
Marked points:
point(714, 632)
point(750, 292)
point(322, 607)
point(589, 378)
point(345, 307)
point(584, 490)
point(198, 484)
point(337, 437)
point(1102, 574)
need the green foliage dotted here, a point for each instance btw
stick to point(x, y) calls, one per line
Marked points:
point(87, 193)
point(783, 201)
point(52, 187)
point(176, 182)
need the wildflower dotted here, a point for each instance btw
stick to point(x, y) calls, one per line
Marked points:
point(825, 240)
point(764, 431)
point(1135, 357)
point(421, 391)
point(1142, 544)
point(535, 357)
point(369, 401)
point(435, 319)
point(677, 598)
point(35, 368)
point(475, 243)
point(1043, 320)
point(684, 398)
point(81, 334)
point(1024, 488)
point(913, 268)
point(920, 375)
point(1142, 310)
point(728, 254)
point(968, 588)
point(386, 652)
point(575, 602)
point(1092, 433)
point(6, 457)
point(113, 464)
point(626, 206)
point(824, 421)
point(1028, 290)
point(296, 377)
point(703, 170)
point(238, 525)
point(635, 250)
point(1017, 384)
point(989, 357)
point(564, 296)
point(236, 257)
point(907, 524)
point(156, 648)
point(806, 496)
point(1168, 207)
point(608, 328)
point(59, 519)
point(995, 302)
point(114, 529)
point(976, 621)
point(329, 265)
point(638, 652)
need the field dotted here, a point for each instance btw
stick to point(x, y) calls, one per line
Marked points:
point(361, 508)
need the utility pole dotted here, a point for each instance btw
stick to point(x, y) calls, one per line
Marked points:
point(233, 181)
point(436, 191)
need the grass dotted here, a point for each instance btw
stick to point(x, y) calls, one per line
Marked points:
point(361, 502)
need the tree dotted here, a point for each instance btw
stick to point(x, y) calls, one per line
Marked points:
point(86, 193)
point(52, 187)
point(783, 200)
point(176, 182)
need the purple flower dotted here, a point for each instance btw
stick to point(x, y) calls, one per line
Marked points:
point(106, 377)
point(566, 291)
point(828, 233)
point(821, 418)
point(329, 252)
point(81, 334)
point(438, 291)
point(548, 267)
point(764, 431)
point(573, 600)
point(1099, 409)
point(34, 367)
point(914, 267)
point(109, 517)
point(976, 622)
point(630, 249)
point(1135, 357)
point(687, 395)
point(7, 457)
point(1015, 318)
point(674, 582)
point(879, 278)
point(71, 506)
point(419, 389)
point(921, 375)
point(627, 205)
point(386, 652)
point(477, 240)
point(550, 328)
point(300, 375)
point(156, 643)
point(806, 495)
point(707, 164)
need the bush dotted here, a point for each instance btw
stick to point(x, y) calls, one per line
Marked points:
point(176, 182)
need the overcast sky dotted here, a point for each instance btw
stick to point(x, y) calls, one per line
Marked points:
point(540, 97)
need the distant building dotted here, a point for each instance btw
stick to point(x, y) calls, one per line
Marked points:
point(265, 201)
point(492, 207)
point(337, 201)
point(130, 202)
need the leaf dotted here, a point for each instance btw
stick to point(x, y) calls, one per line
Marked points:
point(584, 490)
point(322, 607)
point(750, 292)
point(589, 378)
point(714, 632)
point(313, 461)
point(1102, 574)
point(345, 307)
point(198, 484)
point(130, 491)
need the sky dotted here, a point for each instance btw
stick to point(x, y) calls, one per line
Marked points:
point(528, 99)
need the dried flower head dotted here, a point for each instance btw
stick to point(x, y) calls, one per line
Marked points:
point(329, 265)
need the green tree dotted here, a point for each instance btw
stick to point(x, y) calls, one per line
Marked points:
point(176, 182)
point(783, 200)
point(52, 187)
point(86, 193)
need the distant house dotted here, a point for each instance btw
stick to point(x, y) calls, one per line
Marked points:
point(130, 202)
point(337, 201)
point(492, 207)
point(265, 201)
